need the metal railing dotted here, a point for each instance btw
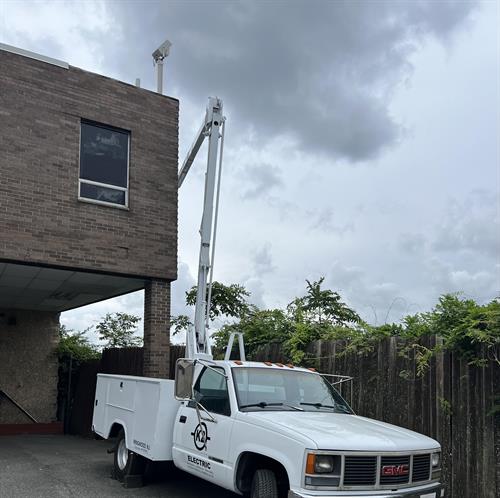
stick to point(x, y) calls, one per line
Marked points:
point(342, 379)
point(17, 405)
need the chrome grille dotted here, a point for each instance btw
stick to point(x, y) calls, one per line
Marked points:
point(360, 471)
point(396, 461)
point(421, 467)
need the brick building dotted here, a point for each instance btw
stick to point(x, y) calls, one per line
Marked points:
point(88, 211)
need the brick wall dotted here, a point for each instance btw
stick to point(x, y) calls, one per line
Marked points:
point(42, 221)
point(28, 365)
point(156, 329)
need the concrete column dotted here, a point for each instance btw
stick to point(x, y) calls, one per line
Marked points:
point(157, 329)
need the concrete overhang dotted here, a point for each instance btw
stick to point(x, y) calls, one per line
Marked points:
point(53, 289)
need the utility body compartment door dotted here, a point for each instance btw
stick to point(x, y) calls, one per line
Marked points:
point(99, 418)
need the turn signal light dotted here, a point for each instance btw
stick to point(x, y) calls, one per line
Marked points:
point(311, 457)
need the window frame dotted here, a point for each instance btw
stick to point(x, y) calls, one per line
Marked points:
point(289, 372)
point(191, 404)
point(81, 180)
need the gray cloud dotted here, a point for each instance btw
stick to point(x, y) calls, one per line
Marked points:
point(472, 224)
point(260, 179)
point(412, 243)
point(263, 260)
point(345, 278)
point(378, 301)
point(480, 284)
point(324, 220)
point(256, 288)
point(324, 78)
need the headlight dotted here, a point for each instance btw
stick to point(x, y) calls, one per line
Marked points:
point(323, 463)
point(436, 457)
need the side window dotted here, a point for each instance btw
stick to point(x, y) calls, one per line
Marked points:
point(211, 391)
point(104, 161)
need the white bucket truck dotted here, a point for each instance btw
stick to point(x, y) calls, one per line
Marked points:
point(261, 429)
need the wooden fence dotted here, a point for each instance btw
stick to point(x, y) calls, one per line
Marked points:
point(452, 402)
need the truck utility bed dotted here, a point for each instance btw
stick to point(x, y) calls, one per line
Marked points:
point(146, 407)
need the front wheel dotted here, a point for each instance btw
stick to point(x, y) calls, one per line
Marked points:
point(264, 484)
point(125, 461)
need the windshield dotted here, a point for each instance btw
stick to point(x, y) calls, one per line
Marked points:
point(260, 389)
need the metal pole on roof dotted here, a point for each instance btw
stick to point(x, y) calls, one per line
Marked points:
point(159, 76)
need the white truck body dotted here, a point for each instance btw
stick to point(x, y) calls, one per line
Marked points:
point(145, 408)
point(159, 427)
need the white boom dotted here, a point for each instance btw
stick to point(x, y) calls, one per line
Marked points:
point(197, 343)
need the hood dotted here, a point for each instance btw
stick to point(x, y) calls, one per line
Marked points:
point(338, 431)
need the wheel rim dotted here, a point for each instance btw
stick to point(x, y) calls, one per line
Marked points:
point(122, 454)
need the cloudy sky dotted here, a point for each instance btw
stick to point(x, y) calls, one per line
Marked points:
point(362, 138)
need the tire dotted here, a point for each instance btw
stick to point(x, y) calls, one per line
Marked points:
point(126, 462)
point(264, 484)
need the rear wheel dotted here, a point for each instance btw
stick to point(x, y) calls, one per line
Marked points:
point(264, 484)
point(126, 462)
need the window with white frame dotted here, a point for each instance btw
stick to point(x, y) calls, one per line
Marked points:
point(104, 162)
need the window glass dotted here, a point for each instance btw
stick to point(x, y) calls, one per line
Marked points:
point(211, 391)
point(103, 194)
point(272, 389)
point(104, 157)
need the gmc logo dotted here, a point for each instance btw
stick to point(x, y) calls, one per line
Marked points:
point(395, 470)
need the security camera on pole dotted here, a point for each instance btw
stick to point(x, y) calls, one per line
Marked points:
point(159, 55)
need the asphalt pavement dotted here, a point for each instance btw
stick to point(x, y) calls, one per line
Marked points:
point(70, 466)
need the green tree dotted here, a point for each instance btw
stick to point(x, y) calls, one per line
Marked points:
point(76, 345)
point(73, 350)
point(465, 327)
point(322, 306)
point(226, 301)
point(179, 323)
point(319, 314)
point(308, 318)
point(118, 330)
point(259, 327)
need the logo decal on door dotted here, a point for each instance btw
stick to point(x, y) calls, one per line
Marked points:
point(200, 436)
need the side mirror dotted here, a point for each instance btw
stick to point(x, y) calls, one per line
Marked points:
point(184, 374)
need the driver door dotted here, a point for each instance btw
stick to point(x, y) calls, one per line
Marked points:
point(201, 447)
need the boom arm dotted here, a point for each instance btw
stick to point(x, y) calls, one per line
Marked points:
point(197, 343)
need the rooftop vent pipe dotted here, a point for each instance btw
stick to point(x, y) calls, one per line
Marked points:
point(158, 56)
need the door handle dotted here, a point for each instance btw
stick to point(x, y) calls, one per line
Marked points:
point(182, 419)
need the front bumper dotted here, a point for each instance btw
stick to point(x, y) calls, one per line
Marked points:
point(431, 492)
